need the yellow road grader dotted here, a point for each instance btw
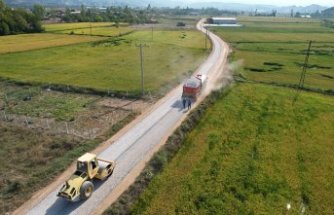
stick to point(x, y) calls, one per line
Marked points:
point(79, 185)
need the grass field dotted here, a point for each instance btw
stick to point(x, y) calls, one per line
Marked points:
point(43, 132)
point(71, 26)
point(27, 42)
point(253, 152)
point(100, 31)
point(273, 50)
point(34, 102)
point(112, 64)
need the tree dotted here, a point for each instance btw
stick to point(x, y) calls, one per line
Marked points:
point(39, 11)
point(2, 6)
point(4, 28)
point(13, 21)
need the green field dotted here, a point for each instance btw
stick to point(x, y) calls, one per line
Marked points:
point(100, 31)
point(70, 26)
point(27, 42)
point(273, 50)
point(253, 152)
point(111, 64)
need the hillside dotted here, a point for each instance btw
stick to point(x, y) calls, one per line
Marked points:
point(328, 13)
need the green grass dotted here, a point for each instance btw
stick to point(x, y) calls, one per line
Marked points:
point(100, 31)
point(33, 102)
point(253, 152)
point(113, 64)
point(283, 41)
point(27, 42)
point(72, 26)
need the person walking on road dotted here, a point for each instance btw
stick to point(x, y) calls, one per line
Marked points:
point(184, 102)
point(189, 103)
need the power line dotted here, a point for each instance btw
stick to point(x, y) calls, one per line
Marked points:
point(302, 75)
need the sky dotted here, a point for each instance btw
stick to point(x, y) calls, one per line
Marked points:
point(328, 3)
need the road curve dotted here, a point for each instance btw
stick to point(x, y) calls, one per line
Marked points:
point(133, 146)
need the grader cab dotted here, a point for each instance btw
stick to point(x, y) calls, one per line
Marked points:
point(80, 185)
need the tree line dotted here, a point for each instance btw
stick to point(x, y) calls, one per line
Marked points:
point(15, 21)
point(110, 14)
point(135, 15)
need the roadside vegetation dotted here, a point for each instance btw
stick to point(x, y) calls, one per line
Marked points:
point(252, 152)
point(279, 46)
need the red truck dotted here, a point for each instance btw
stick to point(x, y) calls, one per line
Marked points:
point(193, 86)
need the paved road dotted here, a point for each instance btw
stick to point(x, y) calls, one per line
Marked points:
point(138, 141)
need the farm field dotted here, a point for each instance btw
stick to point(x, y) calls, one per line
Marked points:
point(78, 25)
point(253, 152)
point(28, 42)
point(279, 47)
point(49, 130)
point(100, 31)
point(111, 64)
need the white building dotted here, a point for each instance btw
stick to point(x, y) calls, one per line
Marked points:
point(223, 21)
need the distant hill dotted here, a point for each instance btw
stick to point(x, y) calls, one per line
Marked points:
point(260, 8)
point(170, 3)
point(328, 13)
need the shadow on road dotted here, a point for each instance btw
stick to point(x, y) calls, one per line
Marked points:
point(178, 105)
point(64, 207)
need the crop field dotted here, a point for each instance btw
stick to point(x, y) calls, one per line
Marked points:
point(273, 50)
point(179, 38)
point(70, 26)
point(253, 152)
point(100, 31)
point(111, 64)
point(27, 42)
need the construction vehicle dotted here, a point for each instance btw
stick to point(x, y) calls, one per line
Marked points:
point(193, 86)
point(80, 185)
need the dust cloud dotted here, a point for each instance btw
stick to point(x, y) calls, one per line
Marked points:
point(223, 78)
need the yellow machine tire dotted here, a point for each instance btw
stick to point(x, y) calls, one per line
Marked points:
point(86, 190)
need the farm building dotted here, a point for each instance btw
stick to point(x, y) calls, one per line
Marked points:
point(223, 20)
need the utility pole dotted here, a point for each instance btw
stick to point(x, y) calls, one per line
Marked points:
point(206, 38)
point(302, 75)
point(141, 66)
